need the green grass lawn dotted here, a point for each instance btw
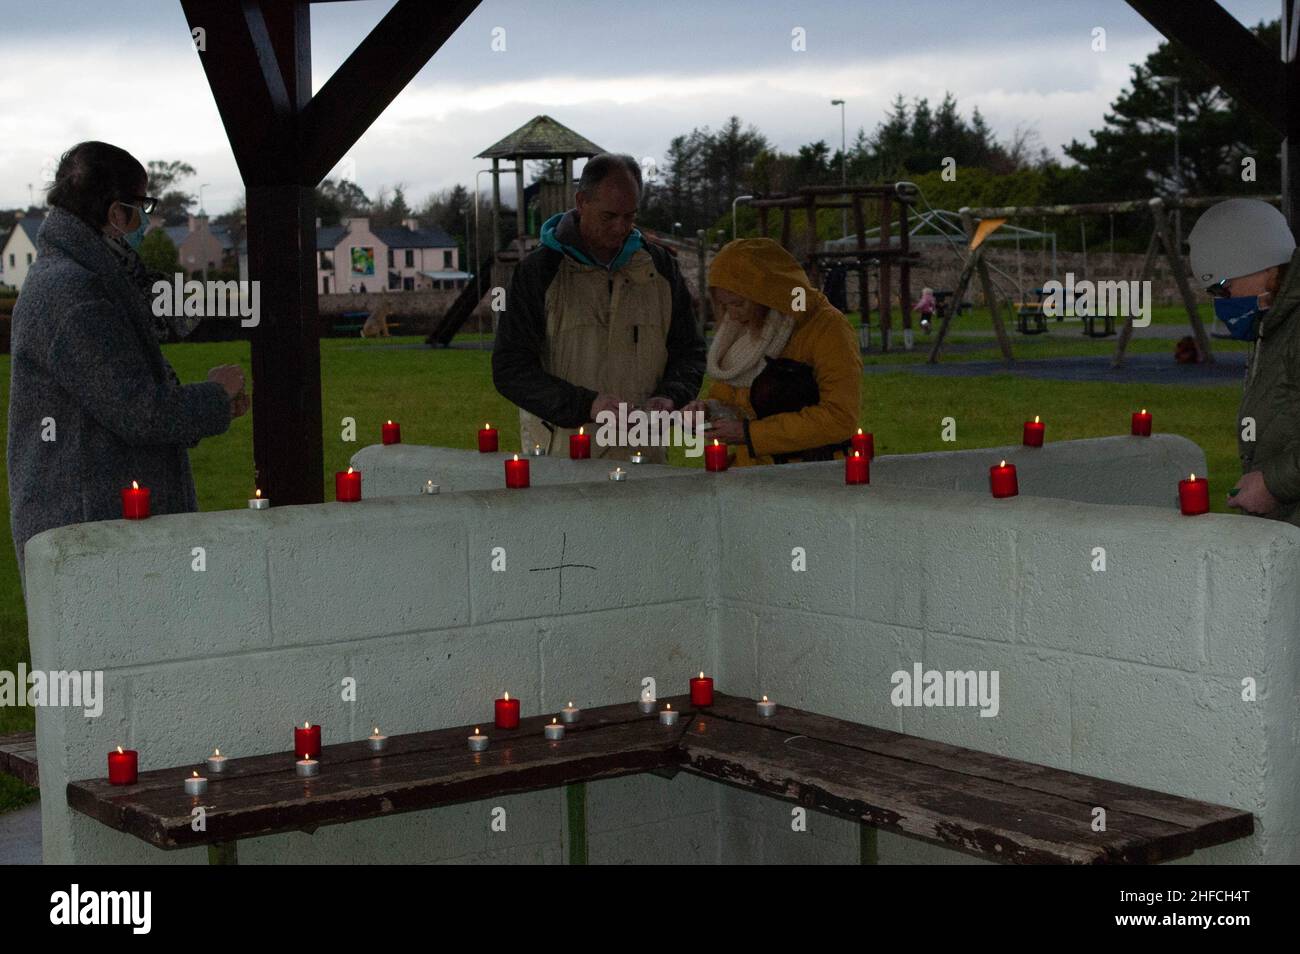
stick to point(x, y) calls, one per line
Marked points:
point(441, 397)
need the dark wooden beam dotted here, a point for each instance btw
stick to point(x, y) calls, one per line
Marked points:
point(1222, 45)
point(247, 83)
point(378, 69)
point(1291, 134)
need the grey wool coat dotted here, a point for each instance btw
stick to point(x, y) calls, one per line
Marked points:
point(85, 357)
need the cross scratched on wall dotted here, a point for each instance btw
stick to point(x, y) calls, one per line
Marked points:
point(562, 566)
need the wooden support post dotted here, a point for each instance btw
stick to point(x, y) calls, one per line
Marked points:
point(886, 306)
point(990, 293)
point(1126, 330)
point(859, 224)
point(223, 853)
point(521, 209)
point(576, 797)
point(785, 228)
point(810, 220)
point(963, 282)
point(1175, 258)
point(762, 221)
point(496, 205)
point(905, 274)
point(864, 306)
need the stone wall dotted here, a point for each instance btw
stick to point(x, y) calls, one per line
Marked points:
point(1134, 673)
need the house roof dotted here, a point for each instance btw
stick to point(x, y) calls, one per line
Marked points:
point(540, 138)
point(420, 238)
point(178, 234)
point(30, 224)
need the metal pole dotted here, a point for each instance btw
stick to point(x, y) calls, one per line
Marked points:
point(1178, 177)
point(739, 198)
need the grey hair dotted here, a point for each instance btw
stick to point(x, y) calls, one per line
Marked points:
point(599, 167)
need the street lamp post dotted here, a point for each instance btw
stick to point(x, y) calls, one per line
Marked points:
point(1178, 165)
point(844, 169)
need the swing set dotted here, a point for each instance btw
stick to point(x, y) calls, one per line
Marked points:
point(980, 223)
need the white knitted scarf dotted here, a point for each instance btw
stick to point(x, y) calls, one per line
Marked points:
point(737, 357)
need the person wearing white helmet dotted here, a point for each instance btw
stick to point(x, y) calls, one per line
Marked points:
point(1240, 253)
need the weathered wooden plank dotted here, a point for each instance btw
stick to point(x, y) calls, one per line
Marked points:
point(353, 786)
point(1213, 824)
point(861, 786)
point(18, 757)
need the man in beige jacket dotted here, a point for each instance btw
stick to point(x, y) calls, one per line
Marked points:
point(596, 316)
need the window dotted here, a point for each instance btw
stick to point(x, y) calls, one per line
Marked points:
point(11, 260)
point(29, 258)
point(410, 258)
point(408, 284)
point(394, 280)
point(446, 261)
point(390, 258)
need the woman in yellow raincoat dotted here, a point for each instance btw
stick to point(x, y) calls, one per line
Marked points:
point(785, 373)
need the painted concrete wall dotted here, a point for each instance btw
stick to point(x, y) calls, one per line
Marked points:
point(1133, 673)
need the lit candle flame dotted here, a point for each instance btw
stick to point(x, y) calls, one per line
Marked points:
point(765, 698)
point(857, 453)
point(516, 457)
point(859, 432)
point(701, 673)
point(216, 752)
point(581, 431)
point(1144, 410)
point(1035, 418)
point(487, 426)
point(554, 720)
point(476, 730)
point(119, 750)
point(570, 703)
point(306, 725)
point(670, 705)
point(1003, 464)
point(349, 468)
point(390, 421)
point(507, 697)
point(135, 485)
point(1193, 476)
point(196, 774)
point(376, 730)
point(715, 442)
point(258, 493)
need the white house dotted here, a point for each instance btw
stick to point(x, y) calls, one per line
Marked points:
point(20, 250)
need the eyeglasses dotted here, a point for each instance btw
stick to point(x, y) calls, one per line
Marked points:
point(147, 203)
point(1219, 289)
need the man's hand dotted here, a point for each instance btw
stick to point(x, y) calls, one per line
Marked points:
point(1252, 495)
point(728, 430)
point(607, 402)
point(696, 405)
point(230, 377)
point(239, 405)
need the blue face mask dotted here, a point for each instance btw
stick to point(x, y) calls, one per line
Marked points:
point(134, 238)
point(1239, 315)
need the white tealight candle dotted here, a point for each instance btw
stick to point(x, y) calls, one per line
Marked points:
point(766, 708)
point(554, 731)
point(258, 502)
point(429, 488)
point(216, 762)
point(570, 713)
point(376, 741)
point(618, 473)
point(646, 703)
point(638, 458)
point(196, 784)
point(306, 768)
point(668, 716)
point(478, 742)
point(537, 451)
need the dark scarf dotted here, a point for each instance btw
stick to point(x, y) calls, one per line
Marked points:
point(141, 278)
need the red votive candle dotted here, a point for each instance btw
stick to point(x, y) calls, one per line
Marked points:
point(1034, 432)
point(580, 445)
point(1194, 495)
point(701, 690)
point(715, 456)
point(487, 439)
point(306, 741)
point(392, 433)
point(857, 469)
point(864, 444)
point(1142, 423)
point(123, 766)
point(135, 502)
point(347, 485)
point(507, 712)
point(517, 472)
point(1002, 480)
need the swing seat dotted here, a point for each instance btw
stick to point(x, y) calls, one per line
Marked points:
point(1029, 318)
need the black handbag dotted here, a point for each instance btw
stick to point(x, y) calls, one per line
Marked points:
point(783, 387)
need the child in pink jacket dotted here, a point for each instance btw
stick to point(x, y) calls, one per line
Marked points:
point(926, 307)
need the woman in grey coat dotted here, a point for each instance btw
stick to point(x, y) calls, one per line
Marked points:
point(93, 404)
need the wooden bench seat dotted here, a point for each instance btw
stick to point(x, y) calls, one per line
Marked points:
point(18, 757)
point(981, 804)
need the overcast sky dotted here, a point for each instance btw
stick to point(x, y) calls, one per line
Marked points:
point(629, 76)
